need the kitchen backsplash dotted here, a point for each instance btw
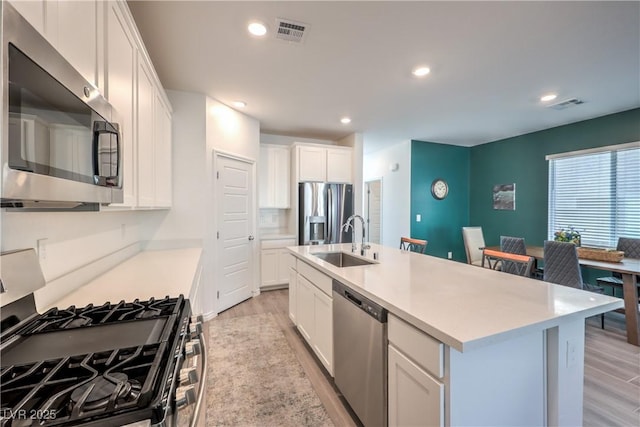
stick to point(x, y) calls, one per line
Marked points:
point(273, 220)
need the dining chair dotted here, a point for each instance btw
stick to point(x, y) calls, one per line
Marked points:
point(473, 244)
point(507, 262)
point(631, 249)
point(561, 266)
point(413, 245)
point(513, 245)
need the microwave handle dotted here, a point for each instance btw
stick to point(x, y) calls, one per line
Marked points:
point(101, 128)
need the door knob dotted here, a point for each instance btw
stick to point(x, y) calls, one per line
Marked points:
point(251, 237)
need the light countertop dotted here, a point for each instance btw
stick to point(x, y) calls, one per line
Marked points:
point(461, 305)
point(277, 236)
point(145, 275)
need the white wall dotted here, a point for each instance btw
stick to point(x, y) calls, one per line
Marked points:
point(73, 239)
point(396, 195)
point(231, 131)
point(236, 134)
point(186, 219)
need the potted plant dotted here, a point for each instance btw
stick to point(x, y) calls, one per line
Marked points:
point(567, 235)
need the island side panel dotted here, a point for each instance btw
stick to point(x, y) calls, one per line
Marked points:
point(565, 373)
point(502, 384)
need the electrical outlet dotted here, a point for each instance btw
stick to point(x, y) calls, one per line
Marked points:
point(418, 218)
point(571, 353)
point(449, 255)
point(42, 248)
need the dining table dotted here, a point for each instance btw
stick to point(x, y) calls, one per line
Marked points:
point(628, 268)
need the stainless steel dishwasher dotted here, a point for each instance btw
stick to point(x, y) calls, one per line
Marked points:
point(360, 354)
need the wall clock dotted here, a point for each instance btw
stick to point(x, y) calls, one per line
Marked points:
point(439, 188)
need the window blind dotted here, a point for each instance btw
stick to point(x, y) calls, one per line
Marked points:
point(597, 193)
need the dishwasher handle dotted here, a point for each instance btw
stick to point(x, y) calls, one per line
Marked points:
point(351, 297)
point(373, 309)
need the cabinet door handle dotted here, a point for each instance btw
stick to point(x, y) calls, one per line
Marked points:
point(251, 237)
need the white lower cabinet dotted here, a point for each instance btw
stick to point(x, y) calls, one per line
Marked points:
point(268, 267)
point(313, 308)
point(275, 260)
point(293, 290)
point(323, 328)
point(415, 397)
point(305, 301)
point(415, 369)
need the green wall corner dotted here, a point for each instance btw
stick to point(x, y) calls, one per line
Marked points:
point(442, 220)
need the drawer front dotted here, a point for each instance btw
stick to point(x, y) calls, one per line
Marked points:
point(276, 244)
point(320, 280)
point(426, 351)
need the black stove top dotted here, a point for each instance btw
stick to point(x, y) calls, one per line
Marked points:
point(97, 365)
point(72, 317)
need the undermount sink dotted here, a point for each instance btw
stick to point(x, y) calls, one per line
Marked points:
point(342, 259)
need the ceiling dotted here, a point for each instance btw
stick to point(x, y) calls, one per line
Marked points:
point(490, 63)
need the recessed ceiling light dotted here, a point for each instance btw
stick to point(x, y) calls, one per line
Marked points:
point(548, 97)
point(345, 120)
point(239, 104)
point(257, 28)
point(421, 71)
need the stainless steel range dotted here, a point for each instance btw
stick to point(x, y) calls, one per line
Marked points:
point(139, 363)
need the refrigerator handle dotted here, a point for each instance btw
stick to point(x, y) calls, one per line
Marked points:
point(329, 224)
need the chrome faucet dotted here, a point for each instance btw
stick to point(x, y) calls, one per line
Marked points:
point(349, 224)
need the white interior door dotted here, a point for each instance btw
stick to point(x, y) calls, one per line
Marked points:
point(373, 210)
point(235, 227)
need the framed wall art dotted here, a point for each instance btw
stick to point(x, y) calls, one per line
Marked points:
point(504, 197)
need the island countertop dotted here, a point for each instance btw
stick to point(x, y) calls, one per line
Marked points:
point(463, 306)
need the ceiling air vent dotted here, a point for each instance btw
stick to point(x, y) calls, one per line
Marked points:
point(291, 31)
point(562, 105)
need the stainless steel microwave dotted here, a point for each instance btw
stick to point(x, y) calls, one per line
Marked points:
point(61, 145)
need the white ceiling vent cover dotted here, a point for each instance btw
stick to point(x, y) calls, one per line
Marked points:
point(291, 31)
point(562, 105)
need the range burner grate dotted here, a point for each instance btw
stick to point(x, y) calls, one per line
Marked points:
point(77, 317)
point(74, 388)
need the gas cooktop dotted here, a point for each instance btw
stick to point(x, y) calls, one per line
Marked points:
point(112, 364)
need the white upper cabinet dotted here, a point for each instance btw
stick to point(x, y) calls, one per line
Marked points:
point(339, 165)
point(274, 182)
point(323, 164)
point(121, 63)
point(312, 163)
point(154, 143)
point(162, 152)
point(71, 27)
point(77, 35)
point(33, 11)
point(100, 40)
point(146, 137)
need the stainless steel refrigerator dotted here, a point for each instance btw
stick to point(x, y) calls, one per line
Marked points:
point(323, 208)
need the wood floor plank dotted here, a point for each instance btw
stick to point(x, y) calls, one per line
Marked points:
point(612, 366)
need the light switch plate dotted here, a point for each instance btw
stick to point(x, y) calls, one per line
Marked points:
point(418, 218)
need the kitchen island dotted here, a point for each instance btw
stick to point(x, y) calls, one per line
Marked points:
point(500, 349)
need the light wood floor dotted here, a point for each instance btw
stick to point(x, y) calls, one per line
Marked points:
point(612, 366)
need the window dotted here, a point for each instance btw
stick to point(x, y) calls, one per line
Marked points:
point(597, 192)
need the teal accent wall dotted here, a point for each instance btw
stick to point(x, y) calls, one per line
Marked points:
point(521, 160)
point(442, 220)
